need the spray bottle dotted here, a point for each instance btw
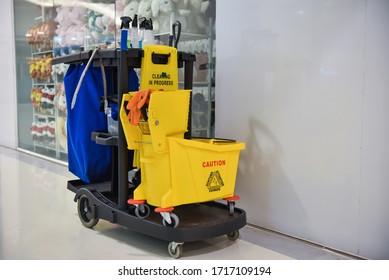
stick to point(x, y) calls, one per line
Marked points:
point(134, 35)
point(124, 32)
point(142, 26)
point(148, 33)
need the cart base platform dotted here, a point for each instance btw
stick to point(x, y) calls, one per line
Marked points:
point(197, 221)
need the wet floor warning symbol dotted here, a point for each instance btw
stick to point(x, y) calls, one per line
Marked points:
point(215, 182)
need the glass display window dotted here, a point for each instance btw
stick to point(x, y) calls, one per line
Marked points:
point(45, 29)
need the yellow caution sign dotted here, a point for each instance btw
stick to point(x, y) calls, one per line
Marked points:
point(159, 69)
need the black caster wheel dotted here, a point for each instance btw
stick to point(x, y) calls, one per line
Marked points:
point(174, 221)
point(175, 250)
point(233, 235)
point(231, 207)
point(85, 212)
point(142, 211)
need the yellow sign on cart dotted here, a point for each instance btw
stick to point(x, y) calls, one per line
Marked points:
point(159, 68)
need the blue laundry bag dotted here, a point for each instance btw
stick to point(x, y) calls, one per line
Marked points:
point(87, 160)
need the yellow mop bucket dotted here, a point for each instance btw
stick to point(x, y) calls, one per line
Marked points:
point(159, 68)
point(192, 171)
point(175, 170)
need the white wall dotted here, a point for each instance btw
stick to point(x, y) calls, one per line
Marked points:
point(7, 77)
point(305, 84)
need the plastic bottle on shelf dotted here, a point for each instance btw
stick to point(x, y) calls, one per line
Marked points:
point(134, 33)
point(124, 32)
point(148, 33)
point(142, 26)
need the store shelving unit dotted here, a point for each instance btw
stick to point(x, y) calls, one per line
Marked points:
point(44, 80)
point(45, 113)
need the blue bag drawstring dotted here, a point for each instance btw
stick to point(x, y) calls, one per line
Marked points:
point(82, 78)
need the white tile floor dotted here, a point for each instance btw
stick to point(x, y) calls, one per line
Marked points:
point(39, 220)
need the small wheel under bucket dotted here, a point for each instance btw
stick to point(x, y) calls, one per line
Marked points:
point(174, 221)
point(142, 211)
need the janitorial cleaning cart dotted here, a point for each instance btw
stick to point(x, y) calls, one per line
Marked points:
point(162, 182)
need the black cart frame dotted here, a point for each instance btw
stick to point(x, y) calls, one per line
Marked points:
point(108, 200)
